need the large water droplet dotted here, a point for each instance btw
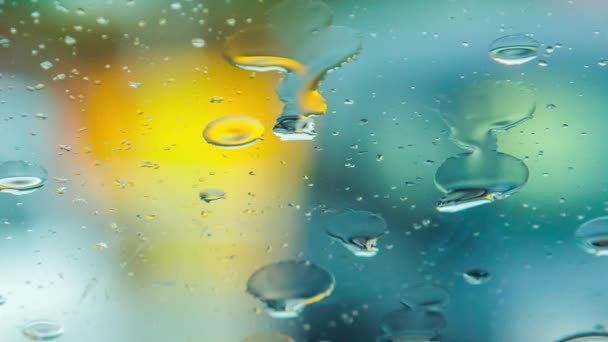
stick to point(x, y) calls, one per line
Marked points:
point(592, 236)
point(411, 325)
point(587, 337)
point(358, 231)
point(475, 113)
point(20, 177)
point(431, 297)
point(514, 49)
point(42, 330)
point(287, 287)
point(297, 39)
point(269, 336)
point(233, 131)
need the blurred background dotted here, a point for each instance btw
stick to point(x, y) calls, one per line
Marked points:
point(112, 97)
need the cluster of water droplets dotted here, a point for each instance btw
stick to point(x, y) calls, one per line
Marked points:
point(474, 114)
point(299, 40)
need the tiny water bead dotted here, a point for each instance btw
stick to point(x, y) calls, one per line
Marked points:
point(286, 287)
point(514, 49)
point(42, 330)
point(233, 131)
point(20, 177)
point(269, 336)
point(212, 195)
point(476, 276)
point(587, 337)
point(357, 231)
point(592, 236)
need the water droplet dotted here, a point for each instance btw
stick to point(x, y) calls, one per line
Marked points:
point(2, 300)
point(69, 40)
point(514, 49)
point(230, 21)
point(42, 330)
point(176, 6)
point(431, 297)
point(233, 131)
point(550, 106)
point(411, 325)
point(286, 43)
point(103, 21)
point(212, 195)
point(216, 99)
point(269, 336)
point(198, 42)
point(21, 177)
point(46, 65)
point(135, 85)
point(476, 276)
point(482, 175)
point(358, 231)
point(543, 63)
point(602, 62)
point(587, 337)
point(287, 287)
point(592, 236)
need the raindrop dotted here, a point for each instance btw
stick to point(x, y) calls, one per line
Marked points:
point(233, 131)
point(287, 287)
point(269, 336)
point(42, 330)
point(198, 42)
point(212, 195)
point(514, 49)
point(592, 236)
point(410, 325)
point(358, 231)
point(476, 276)
point(21, 177)
point(430, 297)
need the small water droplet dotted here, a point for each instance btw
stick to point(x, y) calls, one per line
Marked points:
point(2, 300)
point(42, 330)
point(69, 40)
point(514, 49)
point(550, 106)
point(543, 63)
point(212, 195)
point(21, 177)
point(412, 325)
point(135, 85)
point(476, 276)
point(103, 21)
point(46, 65)
point(230, 21)
point(233, 131)
point(198, 42)
point(431, 297)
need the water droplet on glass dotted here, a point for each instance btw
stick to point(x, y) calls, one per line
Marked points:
point(431, 297)
point(42, 330)
point(476, 276)
point(198, 42)
point(69, 40)
point(482, 175)
point(299, 40)
point(269, 336)
point(2, 300)
point(135, 85)
point(46, 65)
point(412, 325)
point(212, 195)
point(21, 177)
point(550, 106)
point(592, 236)
point(543, 63)
point(103, 21)
point(230, 21)
point(233, 131)
point(587, 337)
point(602, 62)
point(287, 287)
point(514, 49)
point(358, 231)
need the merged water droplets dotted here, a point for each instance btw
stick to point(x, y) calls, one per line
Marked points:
point(358, 231)
point(592, 236)
point(297, 39)
point(20, 177)
point(233, 131)
point(475, 113)
point(514, 49)
point(42, 330)
point(287, 287)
